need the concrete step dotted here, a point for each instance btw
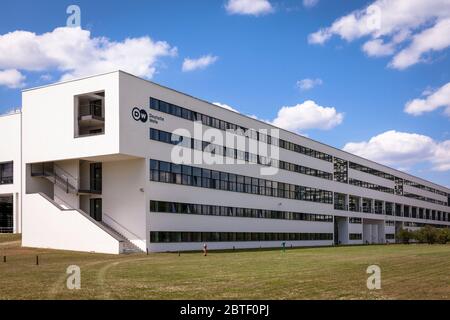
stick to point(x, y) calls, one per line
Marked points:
point(127, 247)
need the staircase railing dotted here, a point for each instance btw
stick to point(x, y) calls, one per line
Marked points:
point(57, 175)
point(120, 225)
point(84, 214)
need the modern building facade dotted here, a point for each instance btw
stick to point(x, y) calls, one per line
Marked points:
point(95, 165)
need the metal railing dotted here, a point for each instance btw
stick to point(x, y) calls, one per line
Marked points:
point(94, 108)
point(57, 175)
point(120, 225)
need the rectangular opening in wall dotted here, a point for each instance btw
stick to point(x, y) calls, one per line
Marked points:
point(6, 214)
point(6, 173)
point(89, 114)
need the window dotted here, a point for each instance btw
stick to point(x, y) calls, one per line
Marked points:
point(6, 214)
point(89, 111)
point(6, 173)
point(340, 170)
point(180, 208)
point(161, 171)
point(389, 223)
point(187, 236)
point(355, 236)
point(165, 107)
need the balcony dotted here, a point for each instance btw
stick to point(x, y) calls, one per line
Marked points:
point(90, 114)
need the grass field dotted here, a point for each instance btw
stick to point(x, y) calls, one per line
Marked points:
point(407, 272)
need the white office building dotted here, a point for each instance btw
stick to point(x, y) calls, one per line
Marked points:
point(113, 163)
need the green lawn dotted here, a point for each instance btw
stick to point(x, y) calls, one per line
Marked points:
point(408, 272)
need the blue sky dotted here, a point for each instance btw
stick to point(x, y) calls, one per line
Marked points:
point(257, 59)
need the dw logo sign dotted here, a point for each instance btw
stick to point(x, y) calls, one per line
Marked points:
point(139, 115)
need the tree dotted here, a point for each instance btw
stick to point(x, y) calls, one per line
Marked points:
point(404, 236)
point(427, 234)
point(443, 236)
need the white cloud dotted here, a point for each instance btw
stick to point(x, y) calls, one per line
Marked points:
point(200, 63)
point(377, 48)
point(12, 78)
point(225, 106)
point(407, 29)
point(46, 77)
point(307, 84)
point(403, 150)
point(307, 115)
point(310, 3)
point(249, 7)
point(74, 53)
point(434, 100)
point(435, 38)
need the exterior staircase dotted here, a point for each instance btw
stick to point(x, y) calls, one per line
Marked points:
point(70, 184)
point(56, 175)
point(127, 246)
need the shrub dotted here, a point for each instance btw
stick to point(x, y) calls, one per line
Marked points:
point(443, 236)
point(404, 236)
point(428, 234)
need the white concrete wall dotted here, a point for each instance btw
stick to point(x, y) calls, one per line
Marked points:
point(48, 121)
point(124, 204)
point(47, 226)
point(61, 196)
point(10, 150)
point(355, 228)
point(343, 226)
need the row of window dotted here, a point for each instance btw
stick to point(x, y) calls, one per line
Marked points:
point(420, 186)
point(355, 236)
point(6, 173)
point(415, 196)
point(340, 176)
point(391, 177)
point(369, 185)
point(167, 172)
point(357, 204)
point(398, 182)
point(390, 236)
point(170, 138)
point(355, 220)
point(212, 210)
point(381, 174)
point(421, 225)
point(389, 223)
point(187, 114)
point(176, 236)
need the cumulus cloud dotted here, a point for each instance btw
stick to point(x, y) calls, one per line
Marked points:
point(249, 7)
point(435, 38)
point(225, 106)
point(307, 115)
point(12, 78)
point(75, 53)
point(200, 63)
point(307, 84)
point(403, 150)
point(434, 100)
point(310, 3)
point(407, 29)
point(304, 116)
